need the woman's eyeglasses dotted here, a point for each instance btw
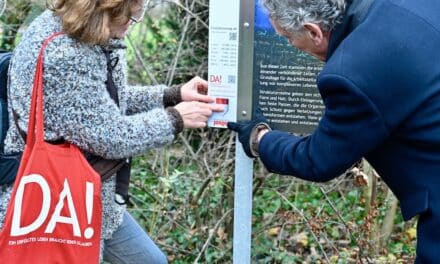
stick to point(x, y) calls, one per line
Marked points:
point(139, 14)
point(134, 20)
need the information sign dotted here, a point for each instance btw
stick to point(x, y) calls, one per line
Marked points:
point(284, 80)
point(223, 59)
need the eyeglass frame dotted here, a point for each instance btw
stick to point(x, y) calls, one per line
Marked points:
point(134, 20)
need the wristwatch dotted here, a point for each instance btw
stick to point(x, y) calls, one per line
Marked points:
point(254, 142)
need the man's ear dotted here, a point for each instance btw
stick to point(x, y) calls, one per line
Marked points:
point(314, 33)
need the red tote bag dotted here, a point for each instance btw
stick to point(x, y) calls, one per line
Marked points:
point(54, 215)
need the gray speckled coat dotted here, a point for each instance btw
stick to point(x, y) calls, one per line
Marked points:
point(78, 108)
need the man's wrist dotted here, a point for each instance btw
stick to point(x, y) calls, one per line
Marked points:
point(259, 131)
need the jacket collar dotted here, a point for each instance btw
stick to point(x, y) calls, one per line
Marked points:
point(114, 44)
point(355, 14)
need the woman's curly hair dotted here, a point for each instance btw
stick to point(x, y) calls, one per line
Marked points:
point(89, 20)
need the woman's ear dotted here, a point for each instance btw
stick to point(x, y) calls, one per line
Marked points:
point(314, 33)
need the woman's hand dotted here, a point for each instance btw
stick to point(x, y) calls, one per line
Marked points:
point(196, 90)
point(196, 114)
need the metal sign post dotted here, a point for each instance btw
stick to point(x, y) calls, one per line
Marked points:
point(242, 207)
point(230, 82)
point(243, 165)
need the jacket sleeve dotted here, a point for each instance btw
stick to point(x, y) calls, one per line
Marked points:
point(143, 98)
point(136, 98)
point(351, 127)
point(79, 109)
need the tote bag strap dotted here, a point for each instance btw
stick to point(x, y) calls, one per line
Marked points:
point(35, 126)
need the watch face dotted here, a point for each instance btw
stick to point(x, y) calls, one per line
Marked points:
point(225, 103)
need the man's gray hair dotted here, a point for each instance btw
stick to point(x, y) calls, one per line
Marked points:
point(291, 15)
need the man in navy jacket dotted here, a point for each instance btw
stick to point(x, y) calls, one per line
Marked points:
point(381, 90)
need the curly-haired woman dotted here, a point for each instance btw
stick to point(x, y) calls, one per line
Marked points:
point(88, 102)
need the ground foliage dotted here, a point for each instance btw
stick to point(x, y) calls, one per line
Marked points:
point(183, 194)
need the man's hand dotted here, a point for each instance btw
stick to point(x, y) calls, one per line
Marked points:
point(196, 90)
point(250, 132)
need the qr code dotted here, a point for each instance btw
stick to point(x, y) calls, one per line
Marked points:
point(233, 36)
point(231, 78)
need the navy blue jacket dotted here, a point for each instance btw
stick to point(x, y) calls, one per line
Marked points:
point(381, 91)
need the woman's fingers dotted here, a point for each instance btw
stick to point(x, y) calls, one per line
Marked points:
point(196, 114)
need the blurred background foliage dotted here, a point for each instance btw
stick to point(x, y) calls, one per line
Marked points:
point(183, 194)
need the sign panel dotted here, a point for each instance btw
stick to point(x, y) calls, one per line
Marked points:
point(223, 59)
point(284, 80)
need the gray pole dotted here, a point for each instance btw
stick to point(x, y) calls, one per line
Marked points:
point(244, 165)
point(242, 207)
